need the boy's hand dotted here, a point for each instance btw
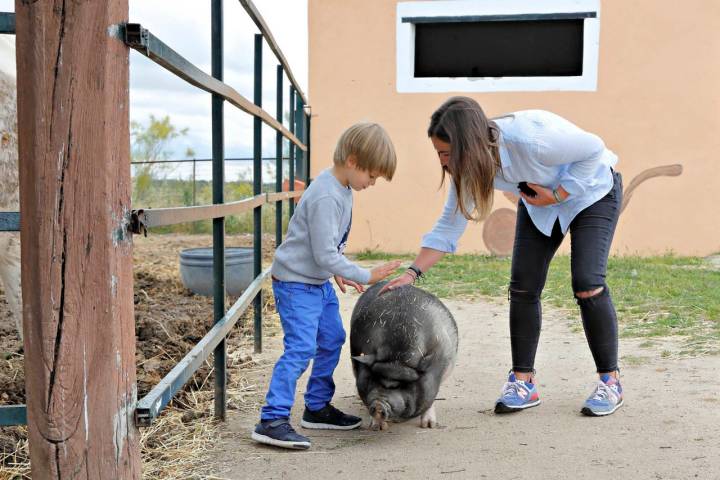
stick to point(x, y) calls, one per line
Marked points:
point(382, 271)
point(397, 282)
point(341, 282)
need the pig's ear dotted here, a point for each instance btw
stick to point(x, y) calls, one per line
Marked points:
point(426, 362)
point(365, 359)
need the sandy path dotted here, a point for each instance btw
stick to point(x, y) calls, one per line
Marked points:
point(669, 427)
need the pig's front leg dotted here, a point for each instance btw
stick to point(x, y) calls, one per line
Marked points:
point(378, 423)
point(379, 416)
point(428, 419)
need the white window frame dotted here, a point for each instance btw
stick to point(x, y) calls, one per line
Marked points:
point(408, 83)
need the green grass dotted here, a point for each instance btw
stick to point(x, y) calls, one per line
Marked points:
point(654, 296)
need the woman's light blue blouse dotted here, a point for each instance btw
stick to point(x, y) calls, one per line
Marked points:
point(543, 148)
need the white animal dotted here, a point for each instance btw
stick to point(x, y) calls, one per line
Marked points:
point(9, 182)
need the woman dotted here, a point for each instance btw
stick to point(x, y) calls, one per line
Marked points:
point(566, 180)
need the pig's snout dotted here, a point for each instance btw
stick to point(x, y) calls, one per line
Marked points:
point(380, 411)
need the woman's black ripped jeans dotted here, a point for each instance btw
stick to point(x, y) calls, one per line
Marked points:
point(591, 234)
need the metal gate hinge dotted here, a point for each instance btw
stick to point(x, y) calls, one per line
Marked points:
point(136, 222)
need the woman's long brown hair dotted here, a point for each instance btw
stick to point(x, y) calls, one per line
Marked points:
point(474, 155)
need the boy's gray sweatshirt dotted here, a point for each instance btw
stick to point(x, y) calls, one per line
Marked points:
point(312, 251)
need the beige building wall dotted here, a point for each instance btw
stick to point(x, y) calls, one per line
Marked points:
point(656, 103)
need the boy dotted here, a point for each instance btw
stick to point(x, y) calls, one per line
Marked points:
point(309, 312)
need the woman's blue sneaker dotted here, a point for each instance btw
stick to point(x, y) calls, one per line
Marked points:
point(279, 433)
point(517, 395)
point(605, 399)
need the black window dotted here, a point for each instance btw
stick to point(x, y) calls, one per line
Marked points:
point(498, 48)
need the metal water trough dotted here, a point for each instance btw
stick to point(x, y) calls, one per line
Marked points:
point(196, 270)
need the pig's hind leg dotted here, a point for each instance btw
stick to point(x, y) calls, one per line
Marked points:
point(428, 390)
point(429, 418)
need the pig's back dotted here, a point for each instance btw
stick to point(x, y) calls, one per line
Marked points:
point(406, 325)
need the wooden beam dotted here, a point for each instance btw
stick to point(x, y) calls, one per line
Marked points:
point(72, 71)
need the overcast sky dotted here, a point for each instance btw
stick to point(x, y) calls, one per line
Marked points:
point(184, 25)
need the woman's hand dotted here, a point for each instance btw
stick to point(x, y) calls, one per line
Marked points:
point(341, 282)
point(425, 259)
point(544, 195)
point(406, 278)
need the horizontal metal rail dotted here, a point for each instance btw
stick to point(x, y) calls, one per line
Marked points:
point(13, 415)
point(523, 17)
point(143, 41)
point(158, 217)
point(150, 406)
point(254, 14)
point(9, 221)
point(200, 160)
point(7, 23)
point(142, 219)
point(278, 196)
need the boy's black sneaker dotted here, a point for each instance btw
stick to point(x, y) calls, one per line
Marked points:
point(329, 418)
point(279, 433)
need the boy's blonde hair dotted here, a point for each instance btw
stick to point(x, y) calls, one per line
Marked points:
point(371, 146)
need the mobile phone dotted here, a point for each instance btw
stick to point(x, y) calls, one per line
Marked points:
point(523, 186)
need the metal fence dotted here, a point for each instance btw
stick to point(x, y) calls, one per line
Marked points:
point(187, 182)
point(297, 133)
point(10, 222)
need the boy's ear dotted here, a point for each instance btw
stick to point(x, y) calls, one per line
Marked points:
point(351, 161)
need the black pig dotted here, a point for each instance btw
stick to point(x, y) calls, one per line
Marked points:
point(403, 345)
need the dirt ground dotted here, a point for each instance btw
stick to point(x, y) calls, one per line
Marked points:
point(668, 428)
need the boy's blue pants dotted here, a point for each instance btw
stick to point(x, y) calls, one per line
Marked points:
point(310, 317)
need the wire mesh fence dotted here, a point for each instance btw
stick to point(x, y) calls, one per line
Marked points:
point(188, 182)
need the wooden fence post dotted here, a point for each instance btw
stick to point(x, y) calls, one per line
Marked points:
point(77, 254)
